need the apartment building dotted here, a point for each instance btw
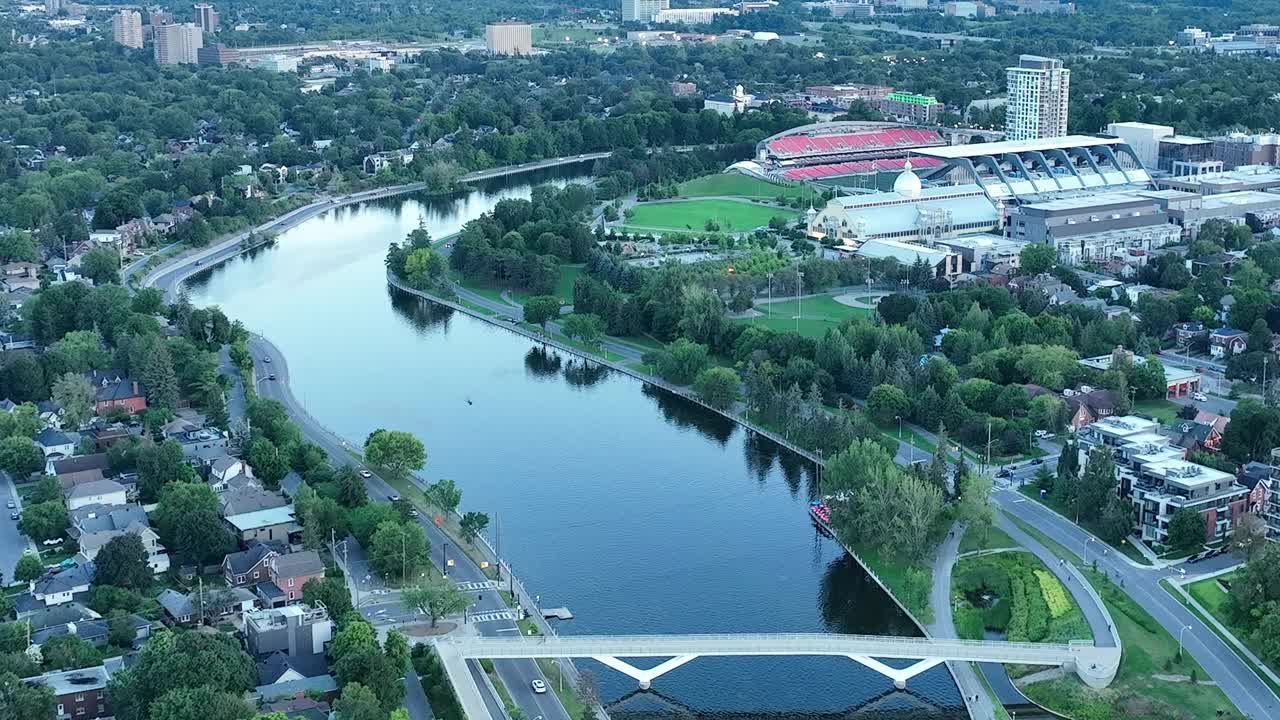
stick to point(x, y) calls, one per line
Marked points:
point(1037, 106)
point(126, 28)
point(509, 38)
point(178, 44)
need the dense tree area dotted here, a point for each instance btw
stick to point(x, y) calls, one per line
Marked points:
point(1254, 601)
point(181, 662)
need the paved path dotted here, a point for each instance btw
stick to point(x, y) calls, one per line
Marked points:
point(12, 542)
point(943, 626)
point(415, 699)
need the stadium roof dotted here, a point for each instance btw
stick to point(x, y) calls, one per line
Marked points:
point(1015, 146)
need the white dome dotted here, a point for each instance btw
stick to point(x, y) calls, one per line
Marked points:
point(907, 184)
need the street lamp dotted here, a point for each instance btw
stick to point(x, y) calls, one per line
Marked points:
point(770, 310)
point(1181, 630)
point(799, 277)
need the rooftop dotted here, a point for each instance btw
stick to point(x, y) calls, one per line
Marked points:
point(1235, 199)
point(261, 518)
point(1088, 202)
point(1015, 146)
point(74, 681)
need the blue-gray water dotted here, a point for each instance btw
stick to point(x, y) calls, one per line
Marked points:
point(640, 512)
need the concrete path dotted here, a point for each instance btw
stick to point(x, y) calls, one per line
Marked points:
point(415, 699)
point(943, 626)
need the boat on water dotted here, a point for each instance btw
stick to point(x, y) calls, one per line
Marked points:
point(820, 513)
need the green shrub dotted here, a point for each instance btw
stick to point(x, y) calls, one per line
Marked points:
point(996, 617)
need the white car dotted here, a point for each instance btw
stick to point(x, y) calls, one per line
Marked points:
point(1199, 397)
point(366, 474)
point(539, 687)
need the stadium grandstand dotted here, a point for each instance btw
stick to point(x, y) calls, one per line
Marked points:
point(853, 154)
point(858, 167)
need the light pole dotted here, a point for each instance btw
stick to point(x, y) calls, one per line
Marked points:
point(770, 310)
point(1181, 630)
point(800, 276)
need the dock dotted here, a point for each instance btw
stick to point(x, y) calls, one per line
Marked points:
point(559, 613)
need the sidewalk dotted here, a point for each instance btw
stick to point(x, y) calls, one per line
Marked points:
point(975, 695)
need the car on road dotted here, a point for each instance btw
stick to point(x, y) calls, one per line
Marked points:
point(1003, 473)
point(199, 262)
point(1037, 461)
point(393, 498)
point(15, 515)
point(272, 376)
point(1199, 368)
point(366, 474)
point(539, 687)
point(413, 513)
point(1043, 433)
point(266, 358)
point(1199, 397)
point(11, 504)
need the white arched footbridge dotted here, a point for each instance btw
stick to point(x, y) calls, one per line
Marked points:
point(1096, 666)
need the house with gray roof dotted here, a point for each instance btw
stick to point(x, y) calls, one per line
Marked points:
point(184, 609)
point(95, 492)
point(56, 588)
point(95, 518)
point(247, 498)
point(55, 442)
point(248, 567)
point(96, 631)
point(79, 694)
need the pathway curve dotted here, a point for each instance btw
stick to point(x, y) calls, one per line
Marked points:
point(943, 626)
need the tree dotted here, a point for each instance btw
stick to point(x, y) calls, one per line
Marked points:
point(396, 450)
point(332, 592)
point(1037, 258)
point(101, 265)
point(359, 703)
point(28, 568)
point(200, 702)
point(701, 315)
point(357, 659)
point(121, 631)
point(323, 519)
point(399, 549)
point(718, 387)
point(437, 599)
point(44, 521)
point(20, 456)
point(541, 309)
point(157, 374)
point(887, 403)
point(1116, 521)
point(189, 524)
point(159, 466)
point(1186, 530)
point(69, 652)
point(1048, 413)
point(75, 394)
point(351, 490)
point(587, 328)
point(268, 463)
point(396, 648)
point(122, 562)
point(445, 494)
point(679, 362)
point(473, 523)
point(25, 701)
point(1249, 536)
point(171, 661)
point(976, 509)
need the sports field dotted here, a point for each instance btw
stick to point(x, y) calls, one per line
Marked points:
point(817, 315)
point(692, 215)
point(733, 184)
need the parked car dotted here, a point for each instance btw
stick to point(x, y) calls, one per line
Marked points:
point(272, 376)
point(1199, 397)
point(12, 505)
point(15, 515)
point(266, 359)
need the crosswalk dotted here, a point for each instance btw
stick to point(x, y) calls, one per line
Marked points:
point(477, 586)
point(491, 616)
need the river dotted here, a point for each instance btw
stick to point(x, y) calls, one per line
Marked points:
point(639, 511)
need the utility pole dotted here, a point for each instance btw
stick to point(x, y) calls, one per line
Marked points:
point(988, 463)
point(444, 559)
point(404, 559)
point(201, 582)
point(799, 277)
point(770, 306)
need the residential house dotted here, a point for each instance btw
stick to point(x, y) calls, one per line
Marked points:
point(1190, 333)
point(248, 567)
point(290, 484)
point(96, 631)
point(78, 694)
point(72, 479)
point(295, 630)
point(1225, 342)
point(278, 668)
point(62, 586)
point(157, 558)
point(104, 436)
point(391, 159)
point(16, 275)
point(117, 389)
point(296, 699)
point(1219, 422)
point(288, 573)
point(50, 412)
point(16, 341)
point(98, 492)
point(1255, 476)
point(185, 609)
point(94, 518)
point(77, 465)
point(40, 616)
point(55, 442)
point(224, 468)
point(1192, 436)
point(1087, 405)
point(270, 525)
point(242, 498)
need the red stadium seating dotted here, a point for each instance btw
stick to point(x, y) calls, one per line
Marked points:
point(814, 172)
point(889, 139)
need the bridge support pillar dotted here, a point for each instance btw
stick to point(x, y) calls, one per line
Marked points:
point(644, 677)
point(898, 676)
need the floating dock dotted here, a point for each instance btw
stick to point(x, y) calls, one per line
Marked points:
point(559, 613)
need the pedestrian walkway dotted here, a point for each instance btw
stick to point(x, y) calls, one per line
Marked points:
point(943, 626)
point(478, 586)
point(504, 615)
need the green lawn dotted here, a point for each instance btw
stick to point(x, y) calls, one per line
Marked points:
point(692, 215)
point(1214, 599)
point(564, 288)
point(1165, 411)
point(995, 538)
point(817, 315)
point(1148, 650)
point(555, 35)
point(733, 184)
point(997, 571)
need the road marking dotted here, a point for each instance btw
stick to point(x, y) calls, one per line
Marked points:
point(492, 616)
point(474, 586)
point(508, 630)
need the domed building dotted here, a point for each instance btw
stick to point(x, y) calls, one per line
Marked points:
point(907, 223)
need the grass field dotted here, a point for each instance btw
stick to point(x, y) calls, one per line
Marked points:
point(741, 185)
point(692, 215)
point(553, 35)
point(817, 314)
point(1165, 411)
point(564, 289)
point(996, 538)
point(1050, 501)
point(1211, 596)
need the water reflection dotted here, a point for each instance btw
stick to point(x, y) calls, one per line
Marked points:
point(422, 315)
point(684, 413)
point(842, 600)
point(542, 363)
point(890, 704)
point(582, 373)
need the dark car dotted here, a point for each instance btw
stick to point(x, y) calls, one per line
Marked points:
point(1037, 461)
point(1003, 473)
point(1196, 558)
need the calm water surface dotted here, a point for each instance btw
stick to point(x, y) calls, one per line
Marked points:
point(640, 512)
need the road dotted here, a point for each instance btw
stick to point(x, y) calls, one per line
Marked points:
point(1242, 686)
point(12, 542)
point(516, 675)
